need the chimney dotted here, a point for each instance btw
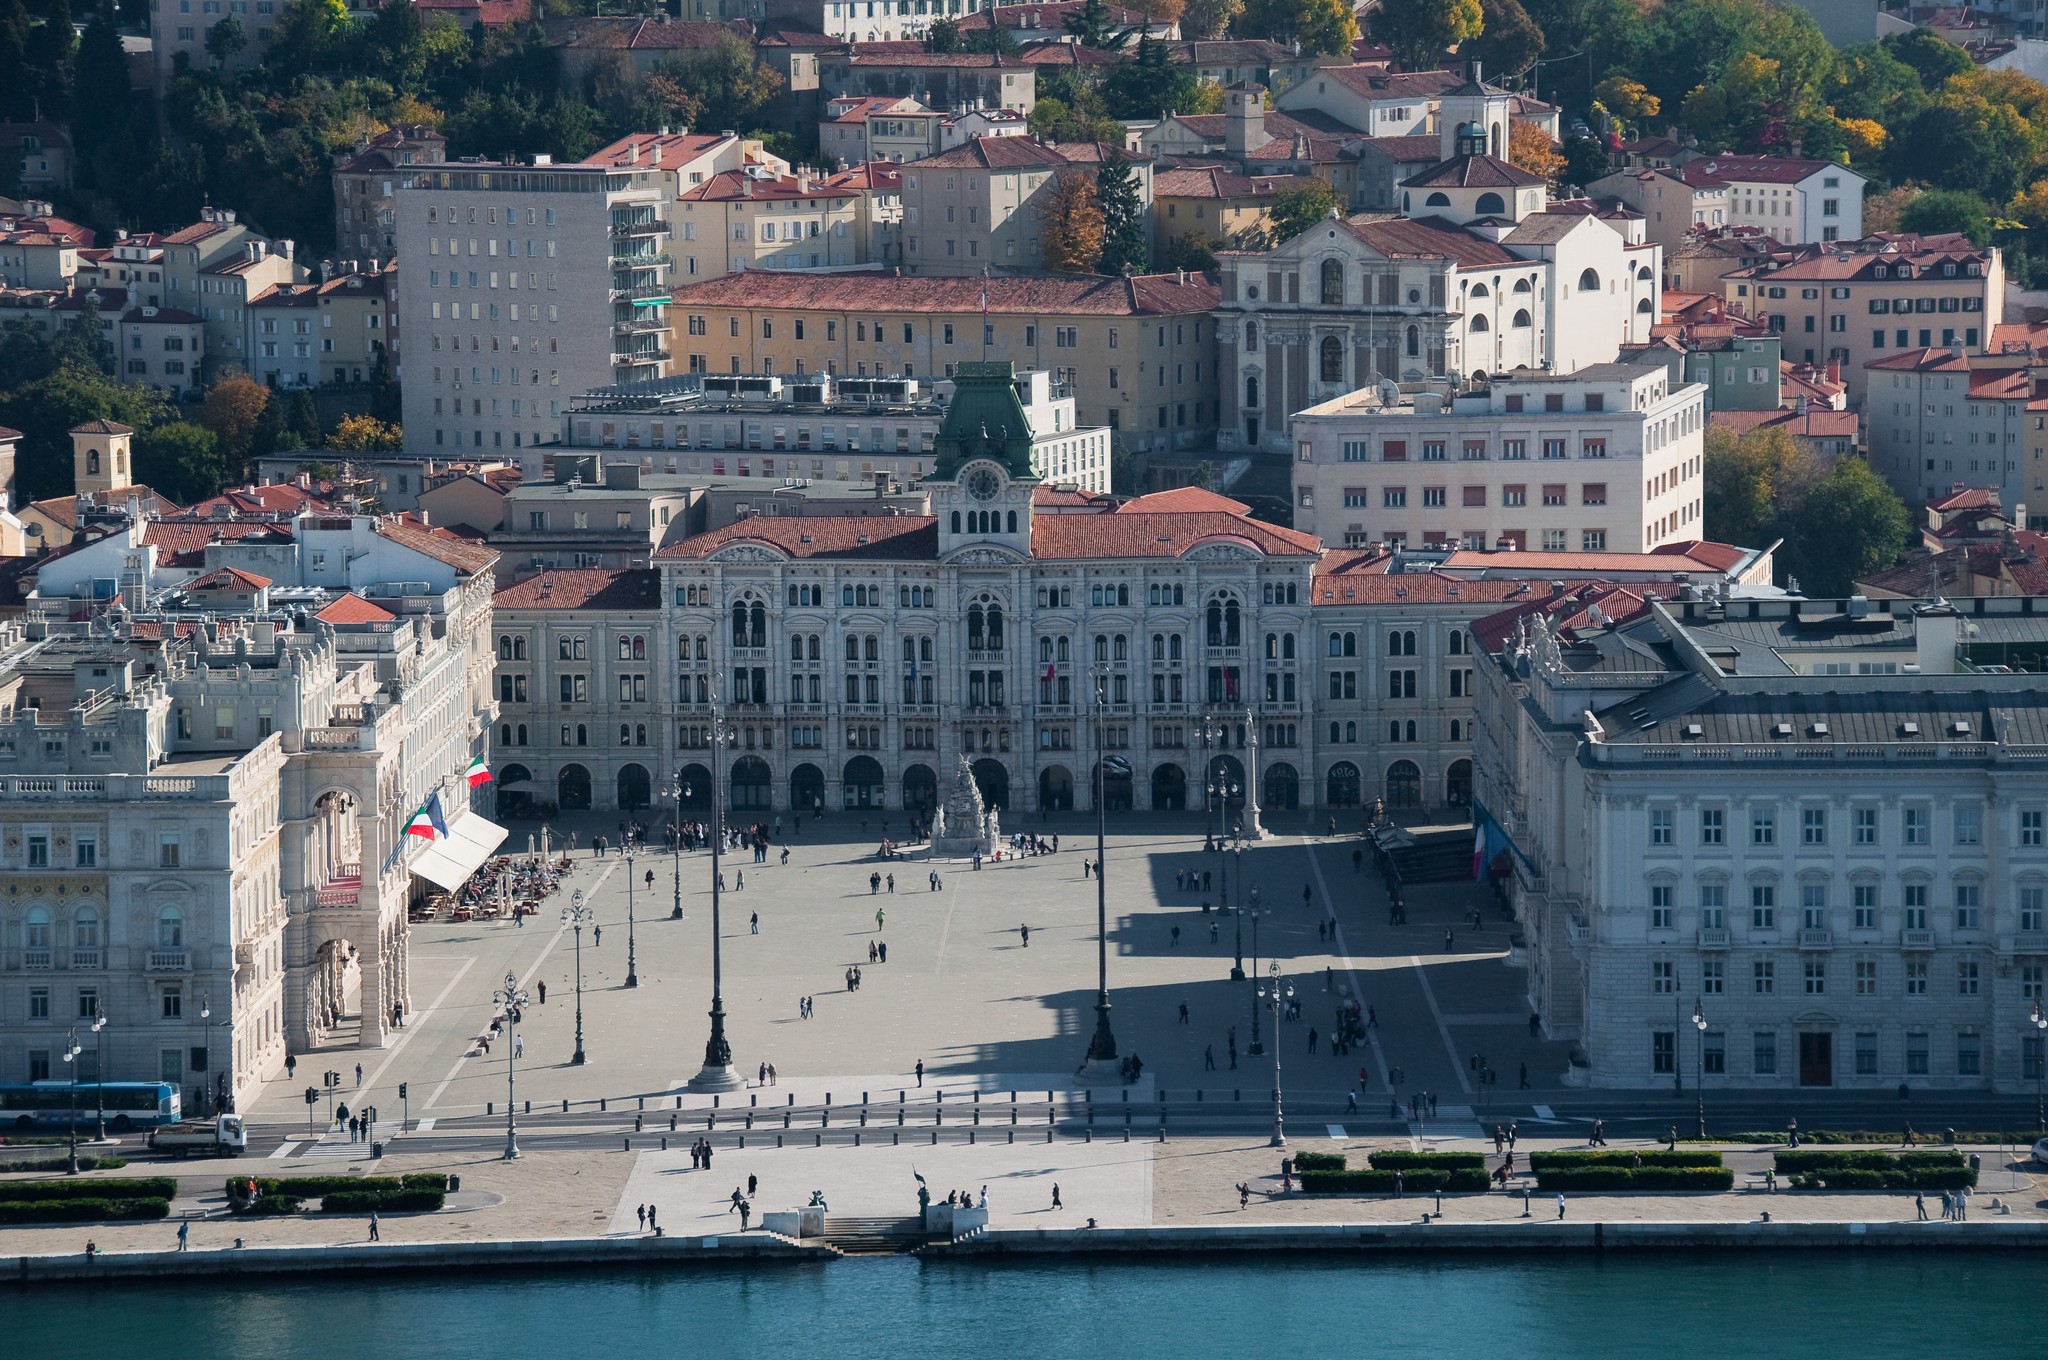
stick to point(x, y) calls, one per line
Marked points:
point(1473, 69)
point(1834, 370)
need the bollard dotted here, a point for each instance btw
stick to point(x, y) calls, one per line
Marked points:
point(899, 1117)
point(671, 1123)
point(743, 1140)
point(565, 1107)
point(1127, 1133)
point(856, 1139)
point(1013, 1135)
point(899, 1097)
point(1013, 1114)
point(1048, 1135)
point(778, 1140)
point(600, 1103)
point(1126, 1097)
point(792, 1097)
point(785, 1119)
point(711, 1121)
point(628, 1145)
point(939, 1096)
point(863, 1118)
point(863, 1097)
point(977, 1097)
point(977, 1116)
point(1087, 1097)
point(894, 1138)
point(750, 1119)
point(664, 1145)
point(935, 1137)
point(754, 1099)
point(824, 1118)
point(1013, 1097)
point(820, 1140)
point(938, 1116)
point(828, 1097)
point(1162, 1133)
point(714, 1102)
point(489, 1108)
point(1088, 1135)
point(679, 1102)
point(529, 1107)
point(643, 1102)
point(636, 1123)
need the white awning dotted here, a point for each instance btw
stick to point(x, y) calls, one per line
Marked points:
point(451, 860)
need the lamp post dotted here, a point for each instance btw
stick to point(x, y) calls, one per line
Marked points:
point(206, 1029)
point(99, 1070)
point(72, 1049)
point(1252, 827)
point(1237, 968)
point(1677, 1069)
point(1272, 994)
point(574, 916)
point(1100, 1064)
point(513, 1001)
point(632, 974)
point(2040, 1065)
point(681, 791)
point(1257, 1045)
point(717, 1073)
point(1699, 1070)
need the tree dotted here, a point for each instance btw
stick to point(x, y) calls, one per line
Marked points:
point(384, 395)
point(1949, 210)
point(1747, 483)
point(1208, 18)
point(1092, 25)
point(1882, 211)
point(109, 130)
point(1123, 217)
point(49, 408)
point(1325, 26)
point(1150, 82)
point(1934, 59)
point(1964, 141)
point(1627, 97)
point(1073, 225)
point(1850, 525)
point(302, 420)
point(47, 63)
point(996, 39)
point(1863, 140)
point(1530, 147)
point(1509, 41)
point(225, 39)
point(1294, 211)
point(16, 101)
point(1191, 251)
point(944, 34)
point(1420, 30)
point(181, 460)
point(232, 411)
point(398, 37)
point(364, 433)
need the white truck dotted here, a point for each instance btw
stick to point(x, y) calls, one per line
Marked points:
point(221, 1136)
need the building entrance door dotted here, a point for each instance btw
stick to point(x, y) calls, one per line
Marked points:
point(1816, 1060)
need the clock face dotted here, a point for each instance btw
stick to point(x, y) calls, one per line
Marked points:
point(984, 485)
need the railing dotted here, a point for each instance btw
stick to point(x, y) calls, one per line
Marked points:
point(1579, 932)
point(87, 959)
point(651, 227)
point(338, 893)
point(167, 961)
point(1916, 939)
point(1816, 939)
point(334, 738)
point(36, 959)
point(2026, 942)
point(1714, 939)
point(639, 325)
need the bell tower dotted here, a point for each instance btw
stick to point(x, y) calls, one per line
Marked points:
point(100, 460)
point(982, 482)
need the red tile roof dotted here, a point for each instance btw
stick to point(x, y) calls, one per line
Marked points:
point(1218, 181)
point(277, 498)
point(583, 589)
point(998, 153)
point(183, 542)
point(1429, 238)
point(1815, 423)
point(230, 577)
point(1967, 498)
point(1472, 172)
point(467, 558)
point(737, 186)
point(354, 609)
point(1573, 610)
point(101, 427)
point(1183, 500)
point(1062, 294)
point(1173, 534)
point(656, 151)
point(1733, 169)
point(874, 176)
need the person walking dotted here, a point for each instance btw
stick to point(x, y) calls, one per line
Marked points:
point(1209, 1057)
point(1212, 932)
point(596, 936)
point(878, 920)
point(1024, 932)
point(1560, 1206)
point(373, 1227)
point(920, 1071)
point(935, 880)
point(739, 880)
point(1176, 938)
point(359, 1074)
point(650, 1219)
point(1056, 1196)
point(754, 923)
point(892, 883)
point(185, 1228)
point(1183, 1012)
point(752, 1184)
point(1244, 1194)
point(1920, 1204)
point(882, 950)
point(543, 993)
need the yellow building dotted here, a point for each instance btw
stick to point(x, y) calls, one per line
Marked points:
point(1213, 204)
point(744, 220)
point(1137, 354)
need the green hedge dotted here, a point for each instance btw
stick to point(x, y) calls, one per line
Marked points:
point(269, 1206)
point(425, 1180)
point(1360, 1182)
point(146, 1187)
point(1881, 1137)
point(393, 1201)
point(1635, 1178)
point(1791, 1163)
point(1400, 1159)
point(83, 1210)
point(64, 1164)
point(1306, 1162)
point(311, 1187)
point(1542, 1161)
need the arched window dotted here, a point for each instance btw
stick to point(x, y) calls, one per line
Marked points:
point(1479, 290)
point(1437, 200)
point(1414, 342)
point(1251, 393)
point(582, 735)
point(92, 460)
point(504, 649)
point(505, 734)
point(640, 734)
point(1521, 321)
point(1589, 281)
point(1521, 285)
point(1336, 644)
point(1489, 205)
point(1251, 335)
point(1351, 644)
point(1643, 307)
point(1643, 274)
point(1121, 647)
point(870, 648)
point(36, 928)
point(170, 928)
point(1173, 646)
point(520, 735)
point(1333, 360)
point(796, 646)
point(956, 521)
point(739, 624)
point(1350, 731)
point(1333, 283)
point(1479, 326)
point(85, 928)
point(625, 734)
point(853, 645)
point(1287, 646)
point(1013, 522)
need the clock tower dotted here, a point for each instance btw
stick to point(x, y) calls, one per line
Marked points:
point(982, 483)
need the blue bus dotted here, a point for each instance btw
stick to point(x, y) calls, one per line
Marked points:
point(128, 1104)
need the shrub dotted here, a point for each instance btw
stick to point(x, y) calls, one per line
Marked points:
point(64, 1164)
point(1790, 1162)
point(1361, 1182)
point(390, 1201)
point(146, 1187)
point(1628, 1178)
point(438, 1180)
point(268, 1205)
point(81, 1210)
point(1400, 1159)
point(1305, 1162)
point(1539, 1161)
point(308, 1187)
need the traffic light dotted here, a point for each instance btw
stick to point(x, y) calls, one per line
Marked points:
point(312, 1096)
point(401, 1090)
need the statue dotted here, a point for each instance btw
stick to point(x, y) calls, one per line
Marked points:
point(963, 825)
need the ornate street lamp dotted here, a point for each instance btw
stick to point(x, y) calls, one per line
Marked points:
point(632, 974)
point(1699, 1071)
point(681, 791)
point(717, 1074)
point(1100, 1064)
point(2040, 1065)
point(72, 1048)
point(512, 1001)
point(576, 916)
point(1274, 994)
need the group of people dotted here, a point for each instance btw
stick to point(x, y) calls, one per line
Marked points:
point(1025, 845)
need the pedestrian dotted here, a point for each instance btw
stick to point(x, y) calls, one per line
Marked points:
point(373, 1226)
point(1209, 1057)
point(746, 1209)
point(935, 880)
point(1311, 1039)
point(291, 1067)
point(739, 880)
point(1599, 1138)
point(1025, 933)
point(1307, 895)
point(1176, 938)
point(752, 1184)
point(1056, 1196)
point(596, 936)
point(1351, 1102)
point(1212, 932)
point(1372, 1017)
point(754, 923)
point(650, 1219)
point(1525, 1077)
point(920, 1071)
point(359, 1074)
point(882, 950)
point(1233, 1054)
point(1244, 1194)
point(737, 1200)
point(1183, 1012)
point(1560, 1206)
point(871, 951)
point(761, 1076)
point(519, 1045)
point(1447, 939)
point(1920, 1204)
point(543, 994)
point(878, 920)
point(185, 1228)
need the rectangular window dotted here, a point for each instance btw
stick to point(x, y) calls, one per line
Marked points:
point(1713, 826)
point(1712, 976)
point(1813, 826)
point(1816, 977)
point(2031, 827)
point(1763, 906)
point(1916, 1054)
point(1763, 976)
point(1969, 906)
point(1866, 826)
point(1763, 1050)
point(1916, 979)
point(1865, 902)
point(1916, 826)
point(1663, 1051)
point(2030, 908)
point(1660, 906)
point(1763, 826)
point(1663, 977)
point(1866, 1055)
point(1866, 977)
point(1714, 1052)
point(1969, 1054)
point(1713, 906)
point(1969, 824)
point(1661, 820)
point(1966, 978)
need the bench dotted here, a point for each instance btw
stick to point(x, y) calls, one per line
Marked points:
point(1757, 1180)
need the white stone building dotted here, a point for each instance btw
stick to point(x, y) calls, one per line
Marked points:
point(1817, 822)
point(1607, 459)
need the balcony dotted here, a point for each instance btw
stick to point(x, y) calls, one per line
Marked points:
point(1714, 939)
point(640, 356)
point(1816, 939)
point(168, 961)
point(2025, 942)
point(640, 325)
point(37, 960)
point(1579, 932)
point(345, 889)
point(85, 959)
point(1916, 939)
point(652, 226)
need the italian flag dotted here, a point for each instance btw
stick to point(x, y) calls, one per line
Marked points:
point(428, 822)
point(477, 773)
